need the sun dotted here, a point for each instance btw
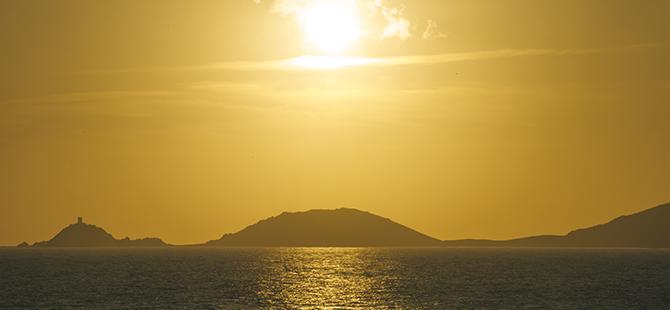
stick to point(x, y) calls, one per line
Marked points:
point(330, 26)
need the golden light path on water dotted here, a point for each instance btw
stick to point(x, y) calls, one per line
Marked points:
point(327, 278)
point(333, 278)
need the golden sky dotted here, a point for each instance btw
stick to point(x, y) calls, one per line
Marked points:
point(459, 118)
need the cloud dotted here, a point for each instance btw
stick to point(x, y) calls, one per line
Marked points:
point(432, 31)
point(226, 86)
point(312, 62)
point(85, 96)
point(396, 24)
point(329, 62)
point(336, 62)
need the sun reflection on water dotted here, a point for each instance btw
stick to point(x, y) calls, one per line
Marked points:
point(323, 278)
point(327, 278)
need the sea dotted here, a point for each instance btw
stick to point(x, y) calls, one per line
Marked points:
point(334, 278)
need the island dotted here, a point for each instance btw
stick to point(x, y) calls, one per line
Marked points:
point(343, 227)
point(81, 234)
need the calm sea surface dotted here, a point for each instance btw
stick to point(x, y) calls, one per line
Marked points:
point(334, 278)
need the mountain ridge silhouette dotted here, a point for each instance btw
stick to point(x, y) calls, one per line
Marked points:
point(648, 228)
point(328, 228)
point(346, 227)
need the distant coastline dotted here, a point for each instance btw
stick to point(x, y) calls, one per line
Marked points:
point(355, 228)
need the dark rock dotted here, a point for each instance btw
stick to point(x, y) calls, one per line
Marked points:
point(81, 234)
point(327, 228)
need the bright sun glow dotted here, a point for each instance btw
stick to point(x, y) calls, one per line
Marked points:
point(331, 26)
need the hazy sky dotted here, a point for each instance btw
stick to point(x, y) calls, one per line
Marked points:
point(462, 119)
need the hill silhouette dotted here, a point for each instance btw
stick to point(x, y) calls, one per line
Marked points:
point(350, 227)
point(326, 228)
point(81, 234)
point(647, 229)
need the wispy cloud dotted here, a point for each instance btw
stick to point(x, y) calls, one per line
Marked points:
point(85, 96)
point(307, 62)
point(333, 62)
